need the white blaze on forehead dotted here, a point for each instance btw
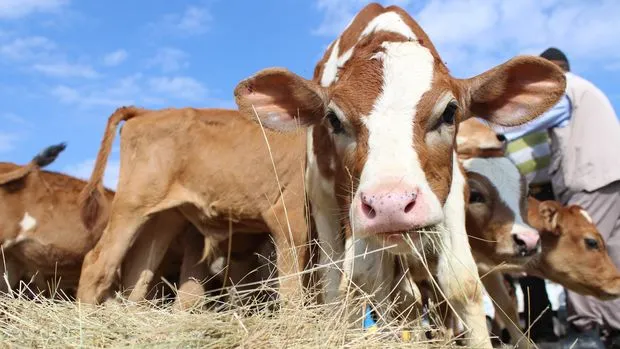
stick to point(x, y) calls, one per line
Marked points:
point(586, 215)
point(505, 176)
point(388, 21)
point(330, 67)
point(407, 75)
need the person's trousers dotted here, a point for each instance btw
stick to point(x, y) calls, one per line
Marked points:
point(603, 205)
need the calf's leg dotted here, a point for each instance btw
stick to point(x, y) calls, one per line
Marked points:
point(194, 273)
point(102, 262)
point(147, 252)
point(291, 247)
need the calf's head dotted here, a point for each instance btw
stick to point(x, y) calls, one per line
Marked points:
point(496, 212)
point(384, 131)
point(477, 139)
point(573, 250)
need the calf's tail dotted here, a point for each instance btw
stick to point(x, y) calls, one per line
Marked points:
point(92, 201)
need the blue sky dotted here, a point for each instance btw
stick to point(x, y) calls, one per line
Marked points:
point(65, 65)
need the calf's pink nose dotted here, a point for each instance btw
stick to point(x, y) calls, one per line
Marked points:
point(526, 241)
point(389, 208)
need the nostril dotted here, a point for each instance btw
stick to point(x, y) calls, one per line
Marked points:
point(368, 210)
point(518, 241)
point(501, 138)
point(412, 197)
point(409, 206)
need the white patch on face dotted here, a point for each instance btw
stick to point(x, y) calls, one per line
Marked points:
point(408, 74)
point(505, 176)
point(460, 140)
point(586, 215)
point(391, 22)
point(330, 67)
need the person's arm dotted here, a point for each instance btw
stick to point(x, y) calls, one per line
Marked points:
point(555, 116)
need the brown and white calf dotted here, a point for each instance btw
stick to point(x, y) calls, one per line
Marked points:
point(41, 232)
point(383, 112)
point(208, 167)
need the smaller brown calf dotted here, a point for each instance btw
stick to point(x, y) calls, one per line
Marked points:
point(574, 252)
point(573, 255)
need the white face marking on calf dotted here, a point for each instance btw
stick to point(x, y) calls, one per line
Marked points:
point(389, 21)
point(586, 215)
point(408, 74)
point(330, 68)
point(505, 176)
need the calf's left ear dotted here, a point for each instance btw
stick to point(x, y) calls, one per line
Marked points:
point(549, 212)
point(280, 99)
point(516, 91)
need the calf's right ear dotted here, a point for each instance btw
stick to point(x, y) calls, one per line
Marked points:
point(280, 99)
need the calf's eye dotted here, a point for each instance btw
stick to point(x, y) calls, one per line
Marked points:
point(449, 114)
point(476, 197)
point(335, 123)
point(591, 244)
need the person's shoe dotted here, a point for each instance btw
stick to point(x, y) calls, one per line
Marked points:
point(550, 341)
point(589, 339)
point(548, 345)
point(614, 340)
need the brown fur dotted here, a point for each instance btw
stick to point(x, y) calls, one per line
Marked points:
point(56, 243)
point(203, 166)
point(565, 257)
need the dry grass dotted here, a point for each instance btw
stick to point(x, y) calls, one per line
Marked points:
point(47, 323)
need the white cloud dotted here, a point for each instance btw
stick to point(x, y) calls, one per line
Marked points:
point(13, 9)
point(115, 58)
point(193, 21)
point(181, 87)
point(131, 90)
point(27, 48)
point(13, 118)
point(84, 98)
point(66, 70)
point(473, 35)
point(169, 59)
point(84, 169)
point(8, 141)
point(65, 94)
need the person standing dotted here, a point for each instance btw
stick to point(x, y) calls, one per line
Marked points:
point(585, 170)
